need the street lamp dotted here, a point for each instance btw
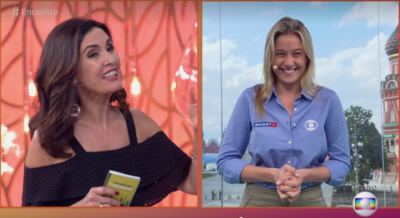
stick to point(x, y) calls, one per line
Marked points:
point(356, 153)
point(356, 150)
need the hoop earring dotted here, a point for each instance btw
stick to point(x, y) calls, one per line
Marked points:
point(75, 107)
point(75, 110)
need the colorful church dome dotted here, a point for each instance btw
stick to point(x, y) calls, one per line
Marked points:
point(392, 44)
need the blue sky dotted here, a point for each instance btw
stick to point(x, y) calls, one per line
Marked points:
point(345, 38)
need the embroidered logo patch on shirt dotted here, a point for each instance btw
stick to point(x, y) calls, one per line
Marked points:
point(311, 125)
point(265, 124)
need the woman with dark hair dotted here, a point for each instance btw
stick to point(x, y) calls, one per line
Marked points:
point(78, 135)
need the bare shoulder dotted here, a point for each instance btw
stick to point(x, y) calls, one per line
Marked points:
point(37, 155)
point(144, 124)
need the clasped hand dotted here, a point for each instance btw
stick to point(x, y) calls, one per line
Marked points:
point(288, 183)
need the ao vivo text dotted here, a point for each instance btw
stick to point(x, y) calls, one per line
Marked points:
point(364, 187)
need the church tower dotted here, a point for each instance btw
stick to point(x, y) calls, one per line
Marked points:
point(390, 100)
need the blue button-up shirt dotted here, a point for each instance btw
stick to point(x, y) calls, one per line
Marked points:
point(318, 128)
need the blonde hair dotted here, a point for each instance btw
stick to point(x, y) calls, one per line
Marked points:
point(286, 25)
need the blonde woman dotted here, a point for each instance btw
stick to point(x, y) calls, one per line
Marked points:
point(290, 125)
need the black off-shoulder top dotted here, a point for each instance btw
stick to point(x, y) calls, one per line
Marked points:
point(161, 165)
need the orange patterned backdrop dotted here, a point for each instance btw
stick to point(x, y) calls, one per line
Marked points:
point(157, 45)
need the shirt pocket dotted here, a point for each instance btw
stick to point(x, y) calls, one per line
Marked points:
point(313, 144)
point(268, 142)
point(263, 133)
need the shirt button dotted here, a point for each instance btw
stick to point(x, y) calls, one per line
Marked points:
point(290, 142)
point(289, 162)
point(295, 109)
point(294, 124)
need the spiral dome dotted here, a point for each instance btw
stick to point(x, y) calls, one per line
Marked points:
point(392, 44)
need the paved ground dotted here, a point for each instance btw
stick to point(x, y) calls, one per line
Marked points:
point(232, 193)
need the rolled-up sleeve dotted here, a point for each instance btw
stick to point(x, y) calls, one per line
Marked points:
point(235, 142)
point(338, 142)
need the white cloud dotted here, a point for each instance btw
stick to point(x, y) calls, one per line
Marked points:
point(235, 68)
point(255, 39)
point(319, 5)
point(211, 51)
point(243, 72)
point(354, 74)
point(368, 12)
point(355, 63)
point(272, 12)
point(237, 74)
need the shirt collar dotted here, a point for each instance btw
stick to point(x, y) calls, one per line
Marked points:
point(306, 95)
point(303, 93)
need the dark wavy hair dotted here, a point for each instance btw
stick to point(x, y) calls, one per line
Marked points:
point(55, 85)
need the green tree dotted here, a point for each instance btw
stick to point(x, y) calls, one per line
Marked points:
point(372, 140)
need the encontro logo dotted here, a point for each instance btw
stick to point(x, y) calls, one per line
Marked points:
point(24, 11)
point(365, 204)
